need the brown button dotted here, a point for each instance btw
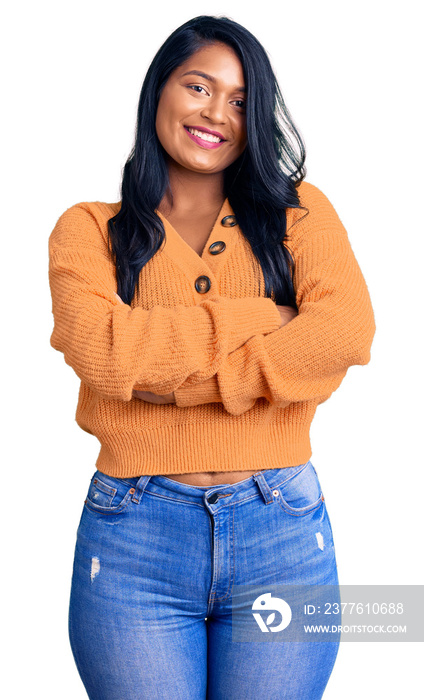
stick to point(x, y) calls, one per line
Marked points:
point(202, 284)
point(228, 221)
point(132, 490)
point(217, 247)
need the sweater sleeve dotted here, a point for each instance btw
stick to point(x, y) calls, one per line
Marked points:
point(113, 347)
point(307, 358)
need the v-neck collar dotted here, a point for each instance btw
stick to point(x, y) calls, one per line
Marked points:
point(193, 264)
point(207, 263)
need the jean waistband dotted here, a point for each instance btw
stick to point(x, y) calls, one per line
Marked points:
point(261, 482)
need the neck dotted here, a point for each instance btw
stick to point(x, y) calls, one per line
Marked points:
point(188, 189)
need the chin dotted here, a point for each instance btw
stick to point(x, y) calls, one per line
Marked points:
point(203, 168)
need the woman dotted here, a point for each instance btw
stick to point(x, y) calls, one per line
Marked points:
point(207, 314)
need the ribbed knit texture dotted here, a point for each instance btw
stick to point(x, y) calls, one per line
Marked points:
point(246, 388)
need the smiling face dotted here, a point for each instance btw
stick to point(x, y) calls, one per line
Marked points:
point(201, 116)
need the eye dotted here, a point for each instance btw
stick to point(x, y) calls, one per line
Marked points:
point(197, 88)
point(240, 103)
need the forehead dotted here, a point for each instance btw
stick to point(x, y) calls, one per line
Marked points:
point(218, 61)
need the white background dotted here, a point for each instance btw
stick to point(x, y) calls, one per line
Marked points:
point(350, 76)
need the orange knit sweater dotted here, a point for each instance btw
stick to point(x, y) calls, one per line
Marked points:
point(246, 389)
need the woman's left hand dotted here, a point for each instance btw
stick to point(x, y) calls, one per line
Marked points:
point(153, 398)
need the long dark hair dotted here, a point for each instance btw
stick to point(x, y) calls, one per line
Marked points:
point(259, 185)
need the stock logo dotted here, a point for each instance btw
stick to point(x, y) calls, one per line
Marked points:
point(268, 602)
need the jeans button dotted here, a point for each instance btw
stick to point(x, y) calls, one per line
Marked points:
point(213, 498)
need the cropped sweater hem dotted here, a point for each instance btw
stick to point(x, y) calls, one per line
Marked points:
point(169, 451)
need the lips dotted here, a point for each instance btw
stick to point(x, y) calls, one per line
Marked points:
point(204, 138)
point(205, 130)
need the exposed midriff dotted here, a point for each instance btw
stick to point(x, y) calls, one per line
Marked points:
point(212, 478)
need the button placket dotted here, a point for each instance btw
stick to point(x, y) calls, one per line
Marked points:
point(203, 282)
point(202, 269)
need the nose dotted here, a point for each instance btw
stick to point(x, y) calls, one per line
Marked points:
point(215, 110)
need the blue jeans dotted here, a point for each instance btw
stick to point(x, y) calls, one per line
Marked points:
point(155, 561)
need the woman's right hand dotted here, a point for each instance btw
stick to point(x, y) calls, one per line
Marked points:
point(287, 313)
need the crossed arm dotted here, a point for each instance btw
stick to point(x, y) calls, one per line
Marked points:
point(114, 348)
point(196, 355)
point(309, 355)
point(287, 313)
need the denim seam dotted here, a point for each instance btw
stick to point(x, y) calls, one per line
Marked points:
point(96, 508)
point(301, 512)
point(213, 598)
point(292, 476)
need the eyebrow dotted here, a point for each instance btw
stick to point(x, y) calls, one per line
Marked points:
point(208, 77)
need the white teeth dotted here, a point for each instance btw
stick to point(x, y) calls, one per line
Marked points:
point(204, 136)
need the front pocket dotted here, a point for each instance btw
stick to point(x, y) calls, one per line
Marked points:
point(107, 494)
point(300, 494)
point(101, 493)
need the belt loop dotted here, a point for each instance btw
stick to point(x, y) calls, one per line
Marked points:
point(139, 488)
point(263, 487)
